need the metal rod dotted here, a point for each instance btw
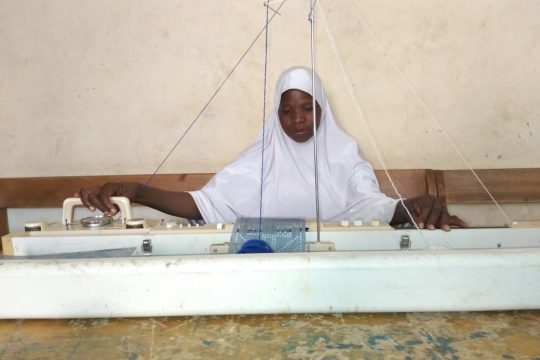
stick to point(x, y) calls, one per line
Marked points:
point(264, 117)
point(314, 112)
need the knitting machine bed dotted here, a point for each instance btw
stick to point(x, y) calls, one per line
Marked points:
point(187, 270)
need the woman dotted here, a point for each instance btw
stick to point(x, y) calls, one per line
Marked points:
point(348, 189)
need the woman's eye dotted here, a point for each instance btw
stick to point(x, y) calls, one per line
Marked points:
point(308, 109)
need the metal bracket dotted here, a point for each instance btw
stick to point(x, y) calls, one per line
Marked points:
point(405, 242)
point(147, 247)
point(320, 246)
point(219, 248)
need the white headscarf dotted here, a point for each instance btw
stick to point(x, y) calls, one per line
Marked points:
point(348, 188)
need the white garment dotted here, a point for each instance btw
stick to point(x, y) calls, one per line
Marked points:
point(348, 188)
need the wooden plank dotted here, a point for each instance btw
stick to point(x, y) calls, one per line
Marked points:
point(454, 186)
point(42, 192)
point(506, 185)
point(4, 228)
point(409, 183)
point(431, 182)
point(439, 181)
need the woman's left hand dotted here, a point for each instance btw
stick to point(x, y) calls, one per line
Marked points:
point(428, 212)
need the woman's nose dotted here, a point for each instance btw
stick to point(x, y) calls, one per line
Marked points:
point(298, 117)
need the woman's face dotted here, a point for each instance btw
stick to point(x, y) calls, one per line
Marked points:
point(296, 115)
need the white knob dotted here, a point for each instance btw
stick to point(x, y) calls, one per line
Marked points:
point(375, 223)
point(344, 223)
point(358, 223)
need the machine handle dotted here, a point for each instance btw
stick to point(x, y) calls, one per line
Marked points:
point(122, 202)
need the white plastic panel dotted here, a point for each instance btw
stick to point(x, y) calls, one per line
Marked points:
point(372, 281)
point(198, 240)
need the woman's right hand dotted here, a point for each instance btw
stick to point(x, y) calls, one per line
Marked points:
point(101, 198)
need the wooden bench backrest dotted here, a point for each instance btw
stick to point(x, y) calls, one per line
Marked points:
point(453, 186)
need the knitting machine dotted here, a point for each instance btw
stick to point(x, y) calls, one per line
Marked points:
point(104, 267)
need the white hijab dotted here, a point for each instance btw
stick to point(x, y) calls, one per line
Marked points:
point(348, 188)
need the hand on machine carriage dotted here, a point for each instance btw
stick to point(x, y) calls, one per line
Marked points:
point(176, 203)
point(428, 212)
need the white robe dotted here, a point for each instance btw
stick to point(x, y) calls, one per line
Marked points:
point(348, 188)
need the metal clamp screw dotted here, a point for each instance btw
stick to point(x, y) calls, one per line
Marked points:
point(405, 242)
point(147, 247)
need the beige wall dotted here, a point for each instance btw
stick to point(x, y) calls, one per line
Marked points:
point(107, 87)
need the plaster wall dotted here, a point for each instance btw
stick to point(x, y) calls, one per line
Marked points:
point(100, 87)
